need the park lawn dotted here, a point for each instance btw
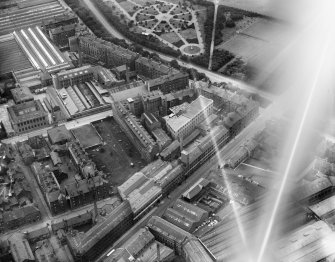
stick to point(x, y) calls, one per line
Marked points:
point(171, 37)
point(189, 34)
point(128, 7)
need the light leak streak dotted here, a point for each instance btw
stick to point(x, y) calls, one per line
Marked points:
point(34, 48)
point(230, 193)
point(50, 45)
point(41, 46)
point(292, 154)
point(31, 58)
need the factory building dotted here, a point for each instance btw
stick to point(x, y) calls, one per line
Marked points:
point(58, 21)
point(90, 245)
point(41, 53)
point(152, 69)
point(202, 149)
point(73, 77)
point(60, 35)
point(184, 120)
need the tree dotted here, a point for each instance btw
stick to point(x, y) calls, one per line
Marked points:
point(122, 16)
point(174, 64)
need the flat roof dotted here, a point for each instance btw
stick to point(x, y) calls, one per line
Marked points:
point(324, 207)
point(87, 136)
point(26, 111)
point(160, 135)
point(194, 108)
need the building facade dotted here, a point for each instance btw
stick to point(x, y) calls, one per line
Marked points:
point(60, 35)
point(28, 116)
point(95, 49)
point(73, 77)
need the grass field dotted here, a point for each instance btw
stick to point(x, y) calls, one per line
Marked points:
point(128, 6)
point(189, 34)
point(170, 37)
point(116, 155)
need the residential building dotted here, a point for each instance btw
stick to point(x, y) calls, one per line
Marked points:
point(151, 69)
point(134, 130)
point(21, 216)
point(168, 83)
point(28, 116)
point(60, 35)
point(73, 77)
point(152, 102)
point(184, 121)
point(95, 49)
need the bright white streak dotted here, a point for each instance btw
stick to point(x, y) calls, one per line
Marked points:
point(230, 193)
point(49, 44)
point(41, 46)
point(34, 48)
point(292, 154)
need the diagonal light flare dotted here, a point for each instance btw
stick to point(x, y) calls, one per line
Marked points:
point(293, 151)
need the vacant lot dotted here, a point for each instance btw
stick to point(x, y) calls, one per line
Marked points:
point(117, 153)
point(171, 37)
point(87, 136)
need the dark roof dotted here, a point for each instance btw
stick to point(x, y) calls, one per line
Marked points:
point(81, 243)
point(21, 94)
point(188, 210)
point(166, 228)
point(139, 241)
point(64, 28)
point(26, 111)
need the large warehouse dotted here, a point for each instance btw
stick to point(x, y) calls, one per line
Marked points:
point(41, 53)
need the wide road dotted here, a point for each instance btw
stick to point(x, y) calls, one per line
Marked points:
point(213, 76)
point(69, 125)
point(212, 164)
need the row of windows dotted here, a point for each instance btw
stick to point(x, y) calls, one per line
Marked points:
point(31, 121)
point(31, 127)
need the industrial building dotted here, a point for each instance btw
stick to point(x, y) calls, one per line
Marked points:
point(202, 149)
point(58, 21)
point(182, 242)
point(60, 35)
point(28, 13)
point(41, 53)
point(242, 153)
point(28, 116)
point(73, 77)
point(183, 122)
point(88, 246)
point(185, 215)
point(94, 49)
